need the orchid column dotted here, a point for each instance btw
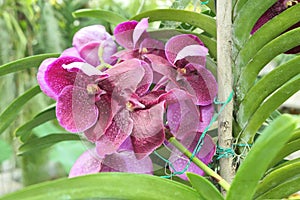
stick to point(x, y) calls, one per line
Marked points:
point(224, 50)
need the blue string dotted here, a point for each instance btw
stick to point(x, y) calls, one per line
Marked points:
point(200, 141)
point(204, 3)
point(224, 152)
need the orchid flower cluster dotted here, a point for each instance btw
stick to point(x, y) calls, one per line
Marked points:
point(126, 101)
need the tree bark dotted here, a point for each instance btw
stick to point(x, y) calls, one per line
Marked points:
point(225, 80)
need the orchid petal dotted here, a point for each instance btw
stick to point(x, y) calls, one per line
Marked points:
point(146, 82)
point(85, 68)
point(104, 119)
point(207, 151)
point(70, 52)
point(183, 118)
point(191, 50)
point(124, 34)
point(41, 78)
point(53, 77)
point(206, 114)
point(139, 30)
point(90, 54)
point(178, 43)
point(115, 134)
point(148, 130)
point(89, 34)
point(202, 84)
point(125, 161)
point(87, 163)
point(76, 110)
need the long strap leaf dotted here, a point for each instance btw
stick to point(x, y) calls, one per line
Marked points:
point(24, 131)
point(47, 141)
point(278, 177)
point(271, 141)
point(246, 18)
point(108, 186)
point(279, 45)
point(24, 63)
point(110, 17)
point(12, 111)
point(265, 87)
point(268, 106)
point(268, 32)
point(204, 22)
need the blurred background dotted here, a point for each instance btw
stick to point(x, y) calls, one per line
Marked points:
point(31, 27)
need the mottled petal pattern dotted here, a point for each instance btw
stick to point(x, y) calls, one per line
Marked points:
point(118, 131)
point(148, 130)
point(88, 163)
point(76, 110)
point(125, 161)
point(124, 34)
point(178, 44)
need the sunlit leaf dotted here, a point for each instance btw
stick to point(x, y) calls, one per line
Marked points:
point(264, 150)
point(107, 186)
point(24, 63)
point(12, 111)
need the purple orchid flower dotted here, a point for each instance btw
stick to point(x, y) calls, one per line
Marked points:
point(207, 151)
point(123, 160)
point(273, 11)
point(92, 40)
point(132, 35)
point(73, 84)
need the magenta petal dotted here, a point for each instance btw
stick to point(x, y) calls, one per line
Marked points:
point(115, 134)
point(124, 34)
point(148, 130)
point(207, 151)
point(183, 118)
point(152, 98)
point(90, 54)
point(70, 52)
point(139, 31)
point(146, 82)
point(125, 161)
point(53, 78)
point(123, 80)
point(87, 69)
point(206, 114)
point(178, 44)
point(104, 120)
point(87, 163)
point(202, 84)
point(89, 34)
point(76, 110)
point(41, 78)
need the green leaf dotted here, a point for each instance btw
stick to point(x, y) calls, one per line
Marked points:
point(283, 190)
point(24, 63)
point(264, 150)
point(278, 177)
point(265, 87)
point(204, 187)
point(12, 111)
point(204, 22)
point(25, 130)
point(267, 33)
point(246, 19)
point(107, 186)
point(47, 141)
point(289, 148)
point(268, 106)
point(105, 15)
point(279, 45)
point(6, 151)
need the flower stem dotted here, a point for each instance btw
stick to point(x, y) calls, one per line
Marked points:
point(222, 182)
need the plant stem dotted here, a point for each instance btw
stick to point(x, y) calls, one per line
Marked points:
point(222, 182)
point(225, 79)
